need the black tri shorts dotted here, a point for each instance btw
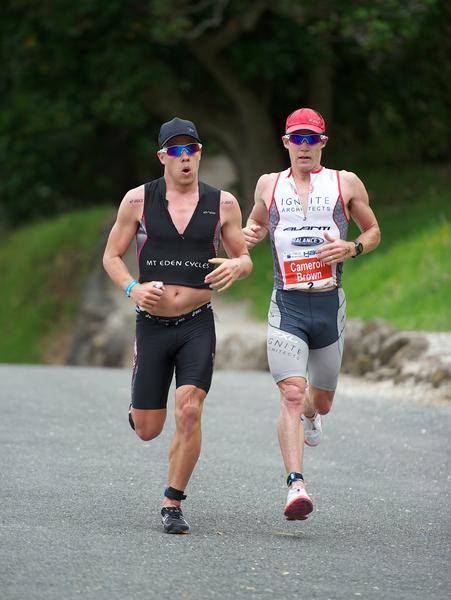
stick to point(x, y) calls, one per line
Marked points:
point(184, 344)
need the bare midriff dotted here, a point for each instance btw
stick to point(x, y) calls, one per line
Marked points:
point(178, 300)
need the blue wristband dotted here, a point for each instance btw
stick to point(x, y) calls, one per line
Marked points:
point(130, 286)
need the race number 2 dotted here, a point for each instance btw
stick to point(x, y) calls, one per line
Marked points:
point(306, 272)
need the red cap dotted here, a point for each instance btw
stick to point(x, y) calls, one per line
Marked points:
point(305, 118)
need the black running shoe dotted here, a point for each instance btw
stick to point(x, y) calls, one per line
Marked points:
point(130, 418)
point(173, 520)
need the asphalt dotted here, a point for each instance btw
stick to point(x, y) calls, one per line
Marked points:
point(80, 496)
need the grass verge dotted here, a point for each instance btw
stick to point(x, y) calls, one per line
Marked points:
point(45, 267)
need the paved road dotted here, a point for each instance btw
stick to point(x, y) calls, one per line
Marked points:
point(79, 497)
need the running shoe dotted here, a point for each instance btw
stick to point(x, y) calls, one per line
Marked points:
point(173, 520)
point(299, 504)
point(130, 418)
point(312, 429)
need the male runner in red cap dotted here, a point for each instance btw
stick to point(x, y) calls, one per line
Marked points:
point(306, 210)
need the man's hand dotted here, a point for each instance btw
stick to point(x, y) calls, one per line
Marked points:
point(251, 235)
point(225, 274)
point(336, 251)
point(146, 295)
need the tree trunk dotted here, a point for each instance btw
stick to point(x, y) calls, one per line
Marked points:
point(247, 134)
point(244, 132)
point(252, 153)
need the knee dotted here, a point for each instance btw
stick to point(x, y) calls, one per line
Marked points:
point(188, 413)
point(323, 402)
point(147, 432)
point(323, 409)
point(292, 397)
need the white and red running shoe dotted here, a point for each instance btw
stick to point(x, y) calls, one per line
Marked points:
point(313, 430)
point(299, 504)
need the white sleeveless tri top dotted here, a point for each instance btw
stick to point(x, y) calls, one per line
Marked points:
point(295, 237)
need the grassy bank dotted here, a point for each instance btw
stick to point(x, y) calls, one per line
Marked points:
point(44, 268)
point(407, 280)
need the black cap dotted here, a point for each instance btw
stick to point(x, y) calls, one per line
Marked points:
point(176, 127)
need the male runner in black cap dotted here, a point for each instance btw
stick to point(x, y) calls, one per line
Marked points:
point(178, 223)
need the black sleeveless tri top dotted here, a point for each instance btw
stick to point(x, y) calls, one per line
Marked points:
point(168, 256)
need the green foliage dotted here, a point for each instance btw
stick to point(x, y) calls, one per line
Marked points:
point(85, 86)
point(407, 280)
point(45, 268)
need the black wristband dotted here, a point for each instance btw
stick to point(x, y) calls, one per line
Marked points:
point(174, 494)
point(293, 476)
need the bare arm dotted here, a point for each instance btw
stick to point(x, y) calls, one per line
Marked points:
point(119, 240)
point(257, 223)
point(361, 212)
point(239, 264)
point(357, 201)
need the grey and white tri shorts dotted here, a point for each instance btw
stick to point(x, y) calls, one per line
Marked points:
point(306, 335)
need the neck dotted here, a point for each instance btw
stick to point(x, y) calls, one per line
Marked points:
point(302, 175)
point(179, 187)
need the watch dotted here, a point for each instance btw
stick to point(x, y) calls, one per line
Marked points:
point(358, 248)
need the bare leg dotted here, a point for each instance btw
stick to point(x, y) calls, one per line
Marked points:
point(186, 443)
point(148, 423)
point(291, 440)
point(318, 401)
point(289, 429)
